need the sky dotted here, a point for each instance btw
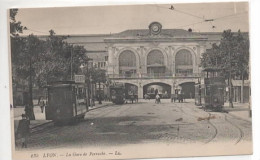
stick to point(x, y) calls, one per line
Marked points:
point(115, 19)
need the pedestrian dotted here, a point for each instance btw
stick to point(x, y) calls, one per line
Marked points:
point(41, 103)
point(157, 98)
point(23, 130)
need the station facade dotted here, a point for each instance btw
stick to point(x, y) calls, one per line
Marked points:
point(153, 58)
point(156, 59)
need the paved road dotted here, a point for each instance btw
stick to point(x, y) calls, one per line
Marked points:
point(145, 122)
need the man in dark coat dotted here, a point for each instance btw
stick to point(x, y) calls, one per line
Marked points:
point(23, 130)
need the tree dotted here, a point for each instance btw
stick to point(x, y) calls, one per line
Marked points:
point(25, 55)
point(15, 26)
point(243, 60)
point(38, 61)
point(60, 61)
point(98, 76)
point(231, 56)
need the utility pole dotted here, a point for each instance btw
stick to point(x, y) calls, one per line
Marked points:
point(89, 86)
point(99, 88)
point(71, 67)
point(230, 83)
point(29, 107)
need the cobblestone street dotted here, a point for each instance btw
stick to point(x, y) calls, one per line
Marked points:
point(145, 122)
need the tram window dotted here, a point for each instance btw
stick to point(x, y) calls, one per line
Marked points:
point(76, 91)
point(113, 92)
point(207, 90)
point(81, 93)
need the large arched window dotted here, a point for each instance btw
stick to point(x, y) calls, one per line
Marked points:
point(155, 63)
point(155, 57)
point(183, 62)
point(127, 63)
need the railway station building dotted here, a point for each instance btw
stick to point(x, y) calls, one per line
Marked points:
point(153, 59)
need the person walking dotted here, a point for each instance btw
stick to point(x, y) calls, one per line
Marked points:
point(23, 130)
point(157, 98)
point(41, 103)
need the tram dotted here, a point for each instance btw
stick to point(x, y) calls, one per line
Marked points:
point(211, 90)
point(117, 93)
point(67, 101)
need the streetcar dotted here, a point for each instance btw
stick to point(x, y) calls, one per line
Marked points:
point(117, 93)
point(131, 94)
point(67, 101)
point(211, 90)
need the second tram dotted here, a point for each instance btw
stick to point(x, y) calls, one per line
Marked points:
point(210, 92)
point(117, 93)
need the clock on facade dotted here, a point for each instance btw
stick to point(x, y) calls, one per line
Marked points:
point(155, 28)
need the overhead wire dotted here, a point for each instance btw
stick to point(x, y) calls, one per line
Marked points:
point(183, 12)
point(35, 30)
point(172, 8)
point(228, 16)
point(204, 19)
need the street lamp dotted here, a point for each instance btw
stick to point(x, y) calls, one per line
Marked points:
point(89, 86)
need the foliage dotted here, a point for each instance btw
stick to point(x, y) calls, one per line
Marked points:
point(58, 60)
point(15, 26)
point(98, 75)
point(231, 55)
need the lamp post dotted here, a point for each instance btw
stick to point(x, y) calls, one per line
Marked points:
point(89, 86)
point(71, 67)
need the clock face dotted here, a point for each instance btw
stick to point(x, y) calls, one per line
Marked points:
point(155, 28)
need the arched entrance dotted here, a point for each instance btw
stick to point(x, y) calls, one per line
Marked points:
point(127, 64)
point(131, 89)
point(188, 89)
point(164, 90)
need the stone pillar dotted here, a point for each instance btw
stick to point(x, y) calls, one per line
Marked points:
point(115, 62)
point(172, 88)
point(110, 61)
point(170, 59)
point(140, 90)
point(173, 61)
point(142, 60)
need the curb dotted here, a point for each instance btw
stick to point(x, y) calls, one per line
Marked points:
point(42, 124)
point(105, 105)
point(233, 115)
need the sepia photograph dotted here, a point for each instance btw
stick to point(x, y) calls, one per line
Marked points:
point(130, 81)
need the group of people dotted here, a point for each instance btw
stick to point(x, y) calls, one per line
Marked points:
point(23, 129)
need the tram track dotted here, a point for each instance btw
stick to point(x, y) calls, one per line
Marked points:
point(215, 133)
point(109, 111)
point(215, 130)
point(241, 133)
point(50, 127)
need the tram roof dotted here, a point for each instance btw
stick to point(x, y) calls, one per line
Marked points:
point(211, 69)
point(61, 83)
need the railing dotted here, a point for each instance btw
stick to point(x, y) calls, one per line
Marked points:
point(187, 74)
point(156, 75)
point(152, 75)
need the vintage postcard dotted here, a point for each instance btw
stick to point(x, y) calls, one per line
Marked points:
point(130, 81)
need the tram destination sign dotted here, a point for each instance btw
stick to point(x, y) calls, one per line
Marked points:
point(79, 78)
